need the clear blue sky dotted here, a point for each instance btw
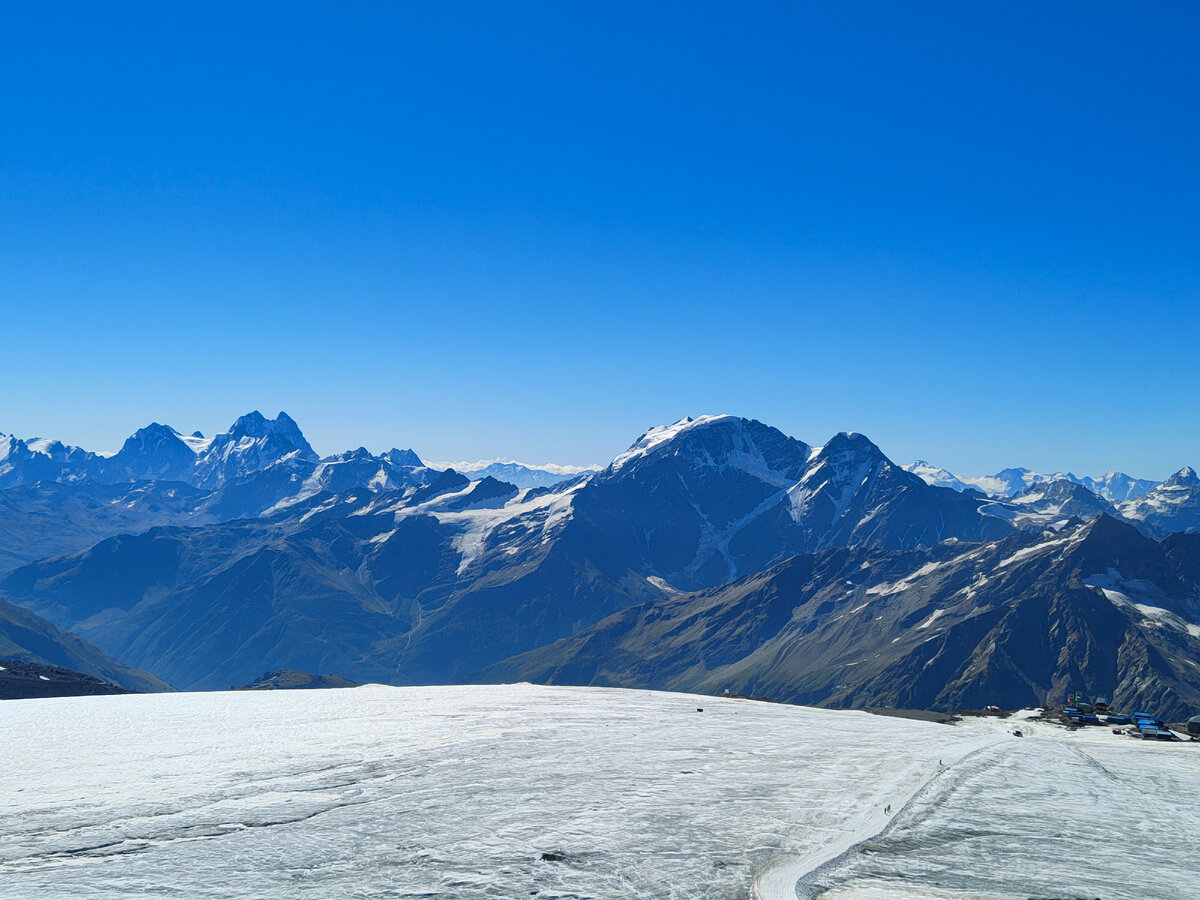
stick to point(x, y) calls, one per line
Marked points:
point(969, 231)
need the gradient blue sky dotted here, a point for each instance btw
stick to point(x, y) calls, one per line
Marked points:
point(969, 231)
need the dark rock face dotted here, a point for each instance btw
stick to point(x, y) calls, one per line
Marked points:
point(153, 453)
point(487, 492)
point(728, 497)
point(47, 519)
point(21, 680)
point(287, 680)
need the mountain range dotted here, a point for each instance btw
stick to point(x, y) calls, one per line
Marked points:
point(522, 475)
point(715, 553)
point(1112, 486)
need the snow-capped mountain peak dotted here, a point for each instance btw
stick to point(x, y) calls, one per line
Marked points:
point(256, 425)
point(1172, 506)
point(662, 435)
point(716, 442)
point(1185, 477)
point(935, 475)
point(39, 459)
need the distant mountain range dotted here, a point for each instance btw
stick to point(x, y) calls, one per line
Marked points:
point(520, 474)
point(56, 499)
point(716, 552)
point(1113, 486)
point(253, 445)
point(1032, 498)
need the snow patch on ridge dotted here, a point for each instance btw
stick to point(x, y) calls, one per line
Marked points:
point(1143, 597)
point(886, 588)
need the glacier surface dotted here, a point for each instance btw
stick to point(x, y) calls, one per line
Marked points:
point(523, 791)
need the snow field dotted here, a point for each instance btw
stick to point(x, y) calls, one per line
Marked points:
point(452, 792)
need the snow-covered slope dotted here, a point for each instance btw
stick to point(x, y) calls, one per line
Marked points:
point(29, 461)
point(1051, 505)
point(936, 475)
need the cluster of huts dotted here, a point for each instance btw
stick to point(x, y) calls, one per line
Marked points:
point(1139, 724)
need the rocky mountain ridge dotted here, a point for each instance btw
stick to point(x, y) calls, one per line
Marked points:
point(432, 582)
point(1098, 608)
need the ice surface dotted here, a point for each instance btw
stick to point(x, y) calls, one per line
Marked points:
point(443, 792)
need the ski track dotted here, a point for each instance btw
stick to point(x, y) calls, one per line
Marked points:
point(784, 879)
point(1053, 814)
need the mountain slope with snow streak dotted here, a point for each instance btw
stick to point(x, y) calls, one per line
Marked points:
point(1020, 621)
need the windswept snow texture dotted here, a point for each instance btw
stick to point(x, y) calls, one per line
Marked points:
point(445, 792)
point(1053, 814)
